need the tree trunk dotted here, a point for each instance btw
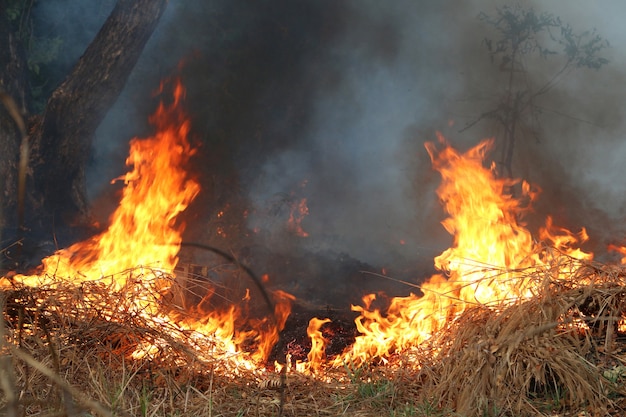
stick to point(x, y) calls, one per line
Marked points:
point(62, 138)
point(13, 83)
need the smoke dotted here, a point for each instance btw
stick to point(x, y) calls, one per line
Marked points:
point(333, 101)
point(576, 159)
point(61, 32)
point(353, 151)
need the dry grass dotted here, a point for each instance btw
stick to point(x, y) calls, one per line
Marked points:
point(546, 354)
point(65, 351)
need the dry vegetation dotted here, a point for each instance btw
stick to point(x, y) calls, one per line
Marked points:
point(65, 352)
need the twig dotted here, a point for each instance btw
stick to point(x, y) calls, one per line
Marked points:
point(7, 377)
point(251, 274)
point(80, 397)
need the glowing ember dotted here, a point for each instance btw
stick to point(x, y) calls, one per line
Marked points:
point(298, 210)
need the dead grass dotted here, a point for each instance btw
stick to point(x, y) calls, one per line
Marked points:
point(65, 351)
point(546, 354)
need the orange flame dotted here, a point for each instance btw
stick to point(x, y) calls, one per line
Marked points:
point(143, 230)
point(619, 249)
point(297, 212)
point(318, 343)
point(140, 247)
point(490, 248)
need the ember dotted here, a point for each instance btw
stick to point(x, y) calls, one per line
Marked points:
point(297, 212)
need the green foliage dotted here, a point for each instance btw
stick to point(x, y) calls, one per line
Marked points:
point(491, 412)
point(375, 389)
point(356, 373)
point(18, 13)
point(145, 400)
point(408, 410)
point(616, 374)
point(427, 409)
point(423, 409)
point(371, 388)
point(43, 51)
point(13, 11)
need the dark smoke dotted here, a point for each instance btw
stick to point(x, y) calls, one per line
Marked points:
point(332, 101)
point(61, 32)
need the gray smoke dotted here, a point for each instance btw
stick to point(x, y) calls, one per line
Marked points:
point(75, 23)
point(333, 101)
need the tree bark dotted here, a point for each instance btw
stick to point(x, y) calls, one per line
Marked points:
point(63, 137)
point(13, 84)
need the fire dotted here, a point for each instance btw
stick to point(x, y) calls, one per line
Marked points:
point(316, 354)
point(139, 250)
point(488, 239)
point(143, 229)
point(488, 262)
point(298, 210)
point(619, 249)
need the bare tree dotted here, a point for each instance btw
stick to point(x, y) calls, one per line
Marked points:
point(523, 35)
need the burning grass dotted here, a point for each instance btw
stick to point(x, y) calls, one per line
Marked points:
point(508, 328)
point(87, 350)
point(549, 353)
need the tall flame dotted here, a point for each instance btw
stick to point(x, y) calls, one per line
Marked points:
point(143, 229)
point(490, 249)
point(489, 241)
point(140, 246)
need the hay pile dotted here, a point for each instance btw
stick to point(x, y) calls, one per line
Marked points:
point(556, 353)
point(69, 348)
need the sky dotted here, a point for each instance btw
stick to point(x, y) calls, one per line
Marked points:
point(341, 96)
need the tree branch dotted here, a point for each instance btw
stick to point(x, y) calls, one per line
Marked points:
point(78, 105)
